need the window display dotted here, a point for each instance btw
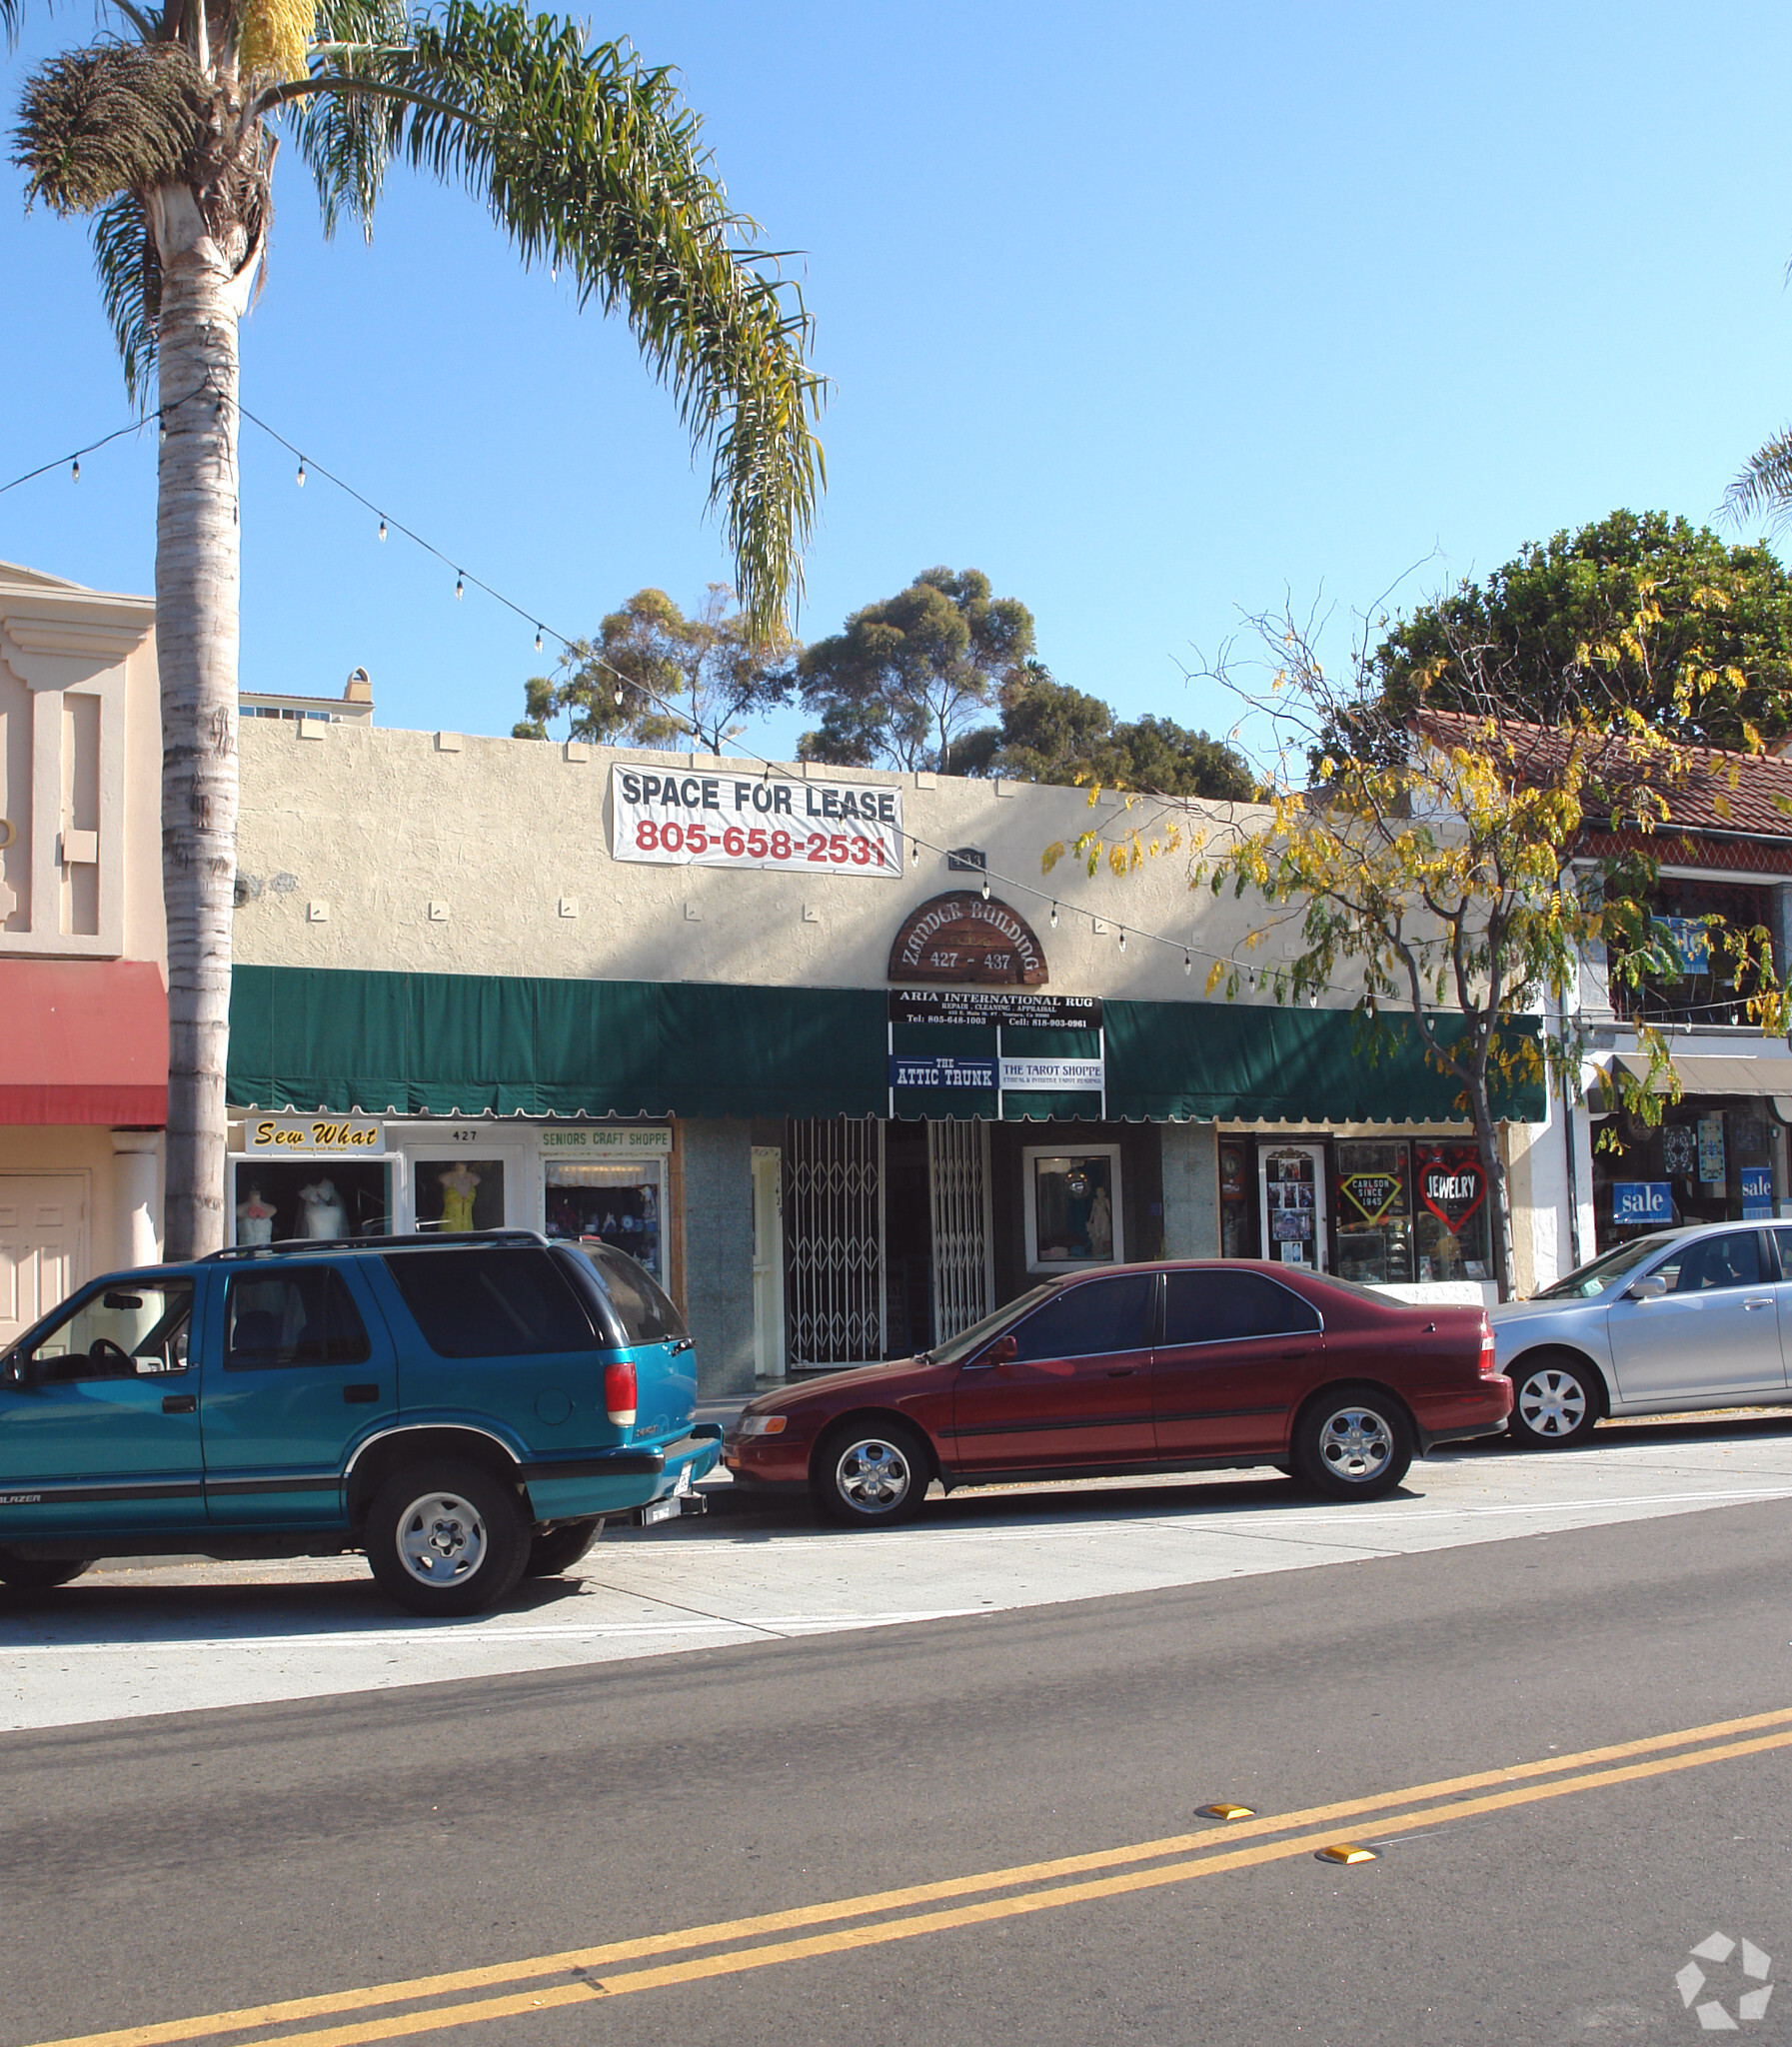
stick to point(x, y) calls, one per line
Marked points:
point(274, 1201)
point(1292, 1225)
point(458, 1194)
point(1073, 1208)
point(1374, 1212)
point(1451, 1223)
point(619, 1203)
point(1238, 1215)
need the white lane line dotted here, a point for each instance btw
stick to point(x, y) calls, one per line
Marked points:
point(794, 1625)
point(1221, 1521)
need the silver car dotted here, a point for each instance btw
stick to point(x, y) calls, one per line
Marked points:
point(1686, 1319)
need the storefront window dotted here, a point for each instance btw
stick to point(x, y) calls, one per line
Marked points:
point(1450, 1226)
point(458, 1194)
point(1073, 1208)
point(276, 1198)
point(619, 1203)
point(1373, 1205)
point(1237, 1237)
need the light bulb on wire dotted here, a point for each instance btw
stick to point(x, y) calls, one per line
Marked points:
point(1054, 917)
point(300, 477)
point(538, 639)
point(916, 846)
point(74, 475)
point(1122, 938)
point(986, 888)
point(382, 529)
point(1187, 962)
point(460, 586)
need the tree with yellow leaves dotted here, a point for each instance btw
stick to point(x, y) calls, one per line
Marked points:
point(1438, 869)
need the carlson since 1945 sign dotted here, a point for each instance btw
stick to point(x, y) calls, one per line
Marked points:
point(754, 821)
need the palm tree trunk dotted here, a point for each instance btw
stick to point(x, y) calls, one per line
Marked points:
point(204, 288)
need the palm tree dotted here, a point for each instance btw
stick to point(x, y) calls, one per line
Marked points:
point(1764, 483)
point(164, 132)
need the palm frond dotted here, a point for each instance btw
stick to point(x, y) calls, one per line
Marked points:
point(1765, 482)
point(148, 26)
point(348, 138)
point(130, 274)
point(591, 161)
point(121, 117)
point(12, 19)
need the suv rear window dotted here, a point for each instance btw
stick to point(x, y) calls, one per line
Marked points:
point(490, 1303)
point(648, 1314)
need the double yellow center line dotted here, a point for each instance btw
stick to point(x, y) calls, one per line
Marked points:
point(579, 1975)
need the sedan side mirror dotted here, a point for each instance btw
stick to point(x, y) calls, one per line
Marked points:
point(1650, 1288)
point(1003, 1351)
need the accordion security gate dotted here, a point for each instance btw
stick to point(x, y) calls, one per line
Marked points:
point(959, 1192)
point(835, 1305)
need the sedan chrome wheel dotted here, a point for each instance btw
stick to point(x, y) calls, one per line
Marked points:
point(1356, 1445)
point(874, 1475)
point(1554, 1402)
point(440, 1539)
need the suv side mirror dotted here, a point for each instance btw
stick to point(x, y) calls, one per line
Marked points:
point(1650, 1288)
point(21, 1371)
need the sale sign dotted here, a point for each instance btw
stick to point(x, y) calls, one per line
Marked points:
point(753, 821)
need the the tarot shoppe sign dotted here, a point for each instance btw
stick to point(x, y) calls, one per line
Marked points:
point(754, 821)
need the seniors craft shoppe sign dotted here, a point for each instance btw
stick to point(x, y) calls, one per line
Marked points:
point(757, 821)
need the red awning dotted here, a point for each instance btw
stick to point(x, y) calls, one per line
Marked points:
point(83, 1042)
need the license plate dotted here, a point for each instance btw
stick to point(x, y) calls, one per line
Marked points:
point(660, 1510)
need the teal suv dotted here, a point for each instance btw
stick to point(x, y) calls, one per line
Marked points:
point(467, 1410)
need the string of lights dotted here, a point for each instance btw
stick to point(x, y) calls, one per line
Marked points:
point(1254, 976)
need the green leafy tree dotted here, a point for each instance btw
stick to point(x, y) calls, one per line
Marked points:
point(1546, 640)
point(654, 677)
point(165, 132)
point(907, 677)
point(1437, 868)
point(1050, 731)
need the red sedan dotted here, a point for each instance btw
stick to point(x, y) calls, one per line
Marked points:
point(1171, 1367)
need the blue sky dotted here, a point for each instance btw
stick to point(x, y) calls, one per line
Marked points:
point(1154, 313)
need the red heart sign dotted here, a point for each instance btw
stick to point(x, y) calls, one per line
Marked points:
point(1454, 1188)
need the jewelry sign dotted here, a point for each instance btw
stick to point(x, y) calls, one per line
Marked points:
point(762, 821)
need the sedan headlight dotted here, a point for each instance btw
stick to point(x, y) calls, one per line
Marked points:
point(762, 1425)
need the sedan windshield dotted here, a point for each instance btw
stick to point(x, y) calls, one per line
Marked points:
point(1589, 1282)
point(972, 1339)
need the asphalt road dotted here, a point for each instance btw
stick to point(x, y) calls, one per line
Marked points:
point(547, 1840)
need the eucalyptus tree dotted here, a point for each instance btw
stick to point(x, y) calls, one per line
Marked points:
point(165, 132)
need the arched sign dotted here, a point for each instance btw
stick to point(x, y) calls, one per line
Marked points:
point(965, 940)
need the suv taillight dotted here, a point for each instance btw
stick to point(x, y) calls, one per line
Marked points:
point(619, 1393)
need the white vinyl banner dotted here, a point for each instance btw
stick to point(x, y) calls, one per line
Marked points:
point(754, 821)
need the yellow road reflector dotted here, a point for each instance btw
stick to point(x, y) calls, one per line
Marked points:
point(1221, 1810)
point(1345, 1851)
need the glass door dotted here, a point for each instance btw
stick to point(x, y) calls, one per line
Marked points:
point(1291, 1192)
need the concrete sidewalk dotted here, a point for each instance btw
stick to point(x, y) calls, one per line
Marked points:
point(155, 1637)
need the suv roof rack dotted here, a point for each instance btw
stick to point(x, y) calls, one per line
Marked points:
point(294, 1246)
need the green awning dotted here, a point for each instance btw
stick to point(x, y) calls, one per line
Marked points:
point(473, 1045)
point(445, 1043)
point(1250, 1062)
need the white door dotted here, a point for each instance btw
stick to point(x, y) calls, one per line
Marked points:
point(767, 1261)
point(43, 1245)
point(1291, 1190)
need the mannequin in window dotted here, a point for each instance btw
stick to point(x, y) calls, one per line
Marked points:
point(255, 1219)
point(1101, 1226)
point(458, 1185)
point(320, 1214)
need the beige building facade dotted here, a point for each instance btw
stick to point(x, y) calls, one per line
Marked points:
point(83, 1002)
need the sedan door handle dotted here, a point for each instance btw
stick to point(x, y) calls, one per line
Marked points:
point(360, 1397)
point(1758, 1302)
point(1122, 1371)
point(1286, 1355)
point(179, 1403)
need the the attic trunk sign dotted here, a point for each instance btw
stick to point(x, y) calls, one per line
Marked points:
point(964, 938)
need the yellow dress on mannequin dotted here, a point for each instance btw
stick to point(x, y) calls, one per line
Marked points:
point(458, 1186)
